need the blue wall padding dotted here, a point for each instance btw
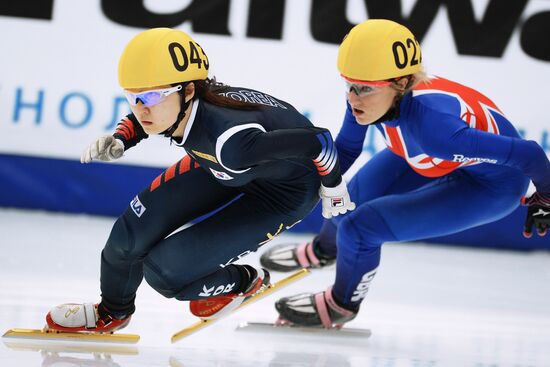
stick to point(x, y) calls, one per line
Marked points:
point(69, 186)
point(106, 189)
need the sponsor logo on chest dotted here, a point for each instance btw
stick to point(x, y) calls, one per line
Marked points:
point(462, 159)
point(221, 175)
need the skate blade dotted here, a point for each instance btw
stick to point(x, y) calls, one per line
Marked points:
point(290, 328)
point(268, 290)
point(49, 334)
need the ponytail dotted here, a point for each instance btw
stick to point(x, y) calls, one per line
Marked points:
point(211, 91)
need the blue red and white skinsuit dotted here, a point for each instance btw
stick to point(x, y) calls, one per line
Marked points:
point(452, 162)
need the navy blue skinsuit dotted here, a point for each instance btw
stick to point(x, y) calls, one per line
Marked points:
point(267, 163)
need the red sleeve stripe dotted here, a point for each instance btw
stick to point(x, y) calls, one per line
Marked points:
point(130, 125)
point(156, 183)
point(170, 173)
point(185, 165)
point(123, 132)
point(323, 172)
point(126, 128)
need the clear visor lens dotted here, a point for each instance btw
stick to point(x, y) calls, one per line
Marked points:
point(361, 89)
point(150, 97)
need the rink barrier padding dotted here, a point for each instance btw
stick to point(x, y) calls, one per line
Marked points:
point(64, 185)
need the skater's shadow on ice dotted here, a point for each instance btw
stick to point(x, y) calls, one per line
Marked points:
point(269, 359)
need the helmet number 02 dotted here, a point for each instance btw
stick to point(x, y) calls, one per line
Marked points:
point(401, 53)
point(181, 60)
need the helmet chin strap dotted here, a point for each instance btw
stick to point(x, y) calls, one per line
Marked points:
point(183, 107)
point(395, 110)
point(392, 113)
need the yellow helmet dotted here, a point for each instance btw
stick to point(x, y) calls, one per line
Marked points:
point(161, 56)
point(379, 49)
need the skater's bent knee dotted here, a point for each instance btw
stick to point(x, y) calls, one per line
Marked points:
point(348, 232)
point(159, 281)
point(365, 229)
point(121, 244)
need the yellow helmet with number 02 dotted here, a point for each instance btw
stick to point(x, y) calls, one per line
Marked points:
point(379, 49)
point(161, 56)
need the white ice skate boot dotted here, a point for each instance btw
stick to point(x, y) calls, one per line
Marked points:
point(73, 317)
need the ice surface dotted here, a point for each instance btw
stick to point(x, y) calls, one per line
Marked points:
point(429, 306)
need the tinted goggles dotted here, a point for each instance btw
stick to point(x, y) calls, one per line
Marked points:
point(151, 97)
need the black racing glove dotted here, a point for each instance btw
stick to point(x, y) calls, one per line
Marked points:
point(538, 214)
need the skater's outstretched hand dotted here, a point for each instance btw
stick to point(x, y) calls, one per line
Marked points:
point(104, 148)
point(538, 214)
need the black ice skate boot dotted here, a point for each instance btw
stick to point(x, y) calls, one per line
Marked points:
point(313, 310)
point(294, 256)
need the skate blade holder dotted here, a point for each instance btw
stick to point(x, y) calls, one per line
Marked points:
point(49, 334)
point(288, 328)
point(201, 324)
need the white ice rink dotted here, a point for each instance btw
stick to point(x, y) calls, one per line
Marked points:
point(429, 306)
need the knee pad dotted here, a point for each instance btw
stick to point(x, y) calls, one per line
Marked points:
point(120, 242)
point(157, 280)
point(363, 229)
point(348, 236)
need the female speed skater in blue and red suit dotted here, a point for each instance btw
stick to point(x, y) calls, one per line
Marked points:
point(453, 161)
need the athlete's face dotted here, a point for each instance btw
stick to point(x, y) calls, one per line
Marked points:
point(158, 117)
point(369, 105)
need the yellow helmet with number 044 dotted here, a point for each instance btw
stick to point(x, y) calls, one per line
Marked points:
point(161, 56)
point(379, 49)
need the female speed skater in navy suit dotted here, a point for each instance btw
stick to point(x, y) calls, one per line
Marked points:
point(254, 166)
